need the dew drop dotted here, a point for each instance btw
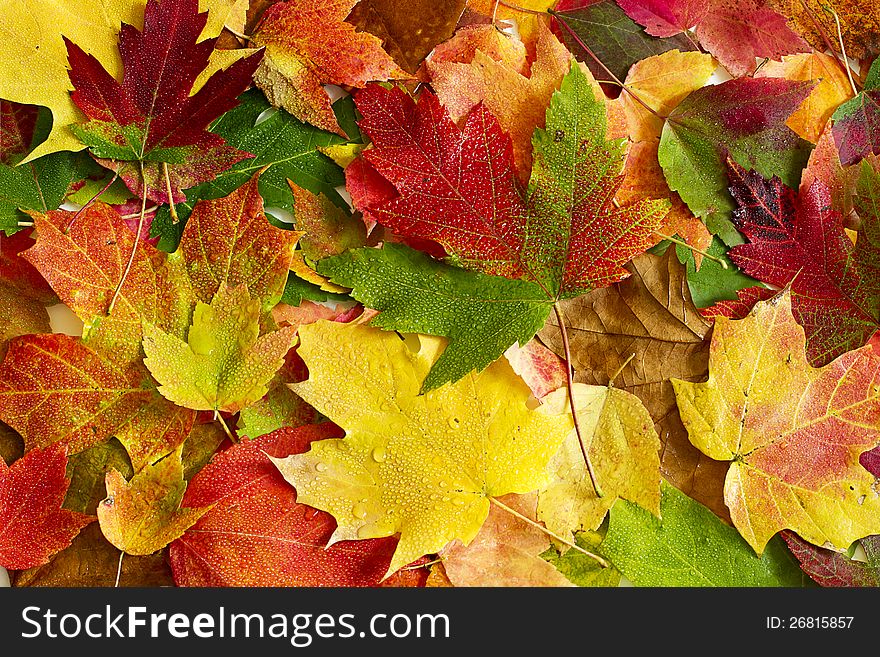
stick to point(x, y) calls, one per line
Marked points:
point(321, 467)
point(359, 511)
point(363, 532)
point(443, 483)
point(378, 454)
point(454, 422)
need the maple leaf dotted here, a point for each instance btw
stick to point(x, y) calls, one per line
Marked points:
point(34, 524)
point(798, 240)
point(830, 568)
point(736, 32)
point(257, 534)
point(309, 44)
point(17, 273)
point(741, 119)
point(92, 561)
point(859, 23)
point(464, 443)
point(650, 314)
point(481, 315)
point(409, 29)
point(832, 89)
point(38, 185)
point(856, 126)
point(616, 40)
point(20, 317)
point(623, 448)
point(683, 549)
point(225, 364)
point(741, 306)
point(824, 164)
point(144, 515)
point(661, 82)
point(793, 433)
point(528, 24)
point(38, 26)
point(519, 102)
point(505, 552)
point(473, 206)
point(284, 149)
point(327, 229)
point(541, 369)
point(86, 399)
point(151, 117)
point(86, 263)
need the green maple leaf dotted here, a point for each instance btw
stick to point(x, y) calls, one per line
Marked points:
point(691, 546)
point(224, 365)
point(481, 315)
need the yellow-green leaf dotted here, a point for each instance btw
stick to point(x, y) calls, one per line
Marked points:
point(624, 449)
point(225, 364)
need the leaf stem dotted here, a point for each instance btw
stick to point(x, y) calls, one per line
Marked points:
point(90, 201)
point(552, 534)
point(579, 41)
point(620, 369)
point(569, 381)
point(137, 238)
point(852, 83)
point(174, 218)
point(843, 63)
point(703, 253)
point(119, 570)
point(219, 418)
point(423, 565)
point(25, 224)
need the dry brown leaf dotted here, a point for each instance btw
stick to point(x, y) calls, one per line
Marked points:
point(651, 315)
point(409, 29)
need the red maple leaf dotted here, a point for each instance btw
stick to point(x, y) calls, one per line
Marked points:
point(459, 188)
point(256, 534)
point(798, 240)
point(150, 117)
point(33, 526)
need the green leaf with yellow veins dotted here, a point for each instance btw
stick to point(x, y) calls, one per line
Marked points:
point(690, 547)
point(225, 364)
point(793, 433)
point(144, 515)
point(426, 466)
point(623, 447)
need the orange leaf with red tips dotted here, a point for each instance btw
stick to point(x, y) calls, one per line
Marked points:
point(34, 526)
point(309, 44)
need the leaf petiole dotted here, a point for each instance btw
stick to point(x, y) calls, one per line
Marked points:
point(549, 533)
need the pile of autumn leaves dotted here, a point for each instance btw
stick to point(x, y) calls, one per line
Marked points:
point(508, 216)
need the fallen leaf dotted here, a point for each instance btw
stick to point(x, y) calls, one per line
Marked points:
point(144, 515)
point(856, 127)
point(650, 315)
point(793, 433)
point(740, 119)
point(153, 117)
point(257, 534)
point(830, 568)
point(859, 23)
point(505, 552)
point(690, 546)
point(797, 240)
point(224, 364)
point(309, 44)
point(465, 443)
point(34, 525)
point(623, 447)
point(832, 89)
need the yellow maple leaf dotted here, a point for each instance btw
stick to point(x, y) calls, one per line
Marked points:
point(625, 452)
point(793, 433)
point(34, 57)
point(422, 466)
